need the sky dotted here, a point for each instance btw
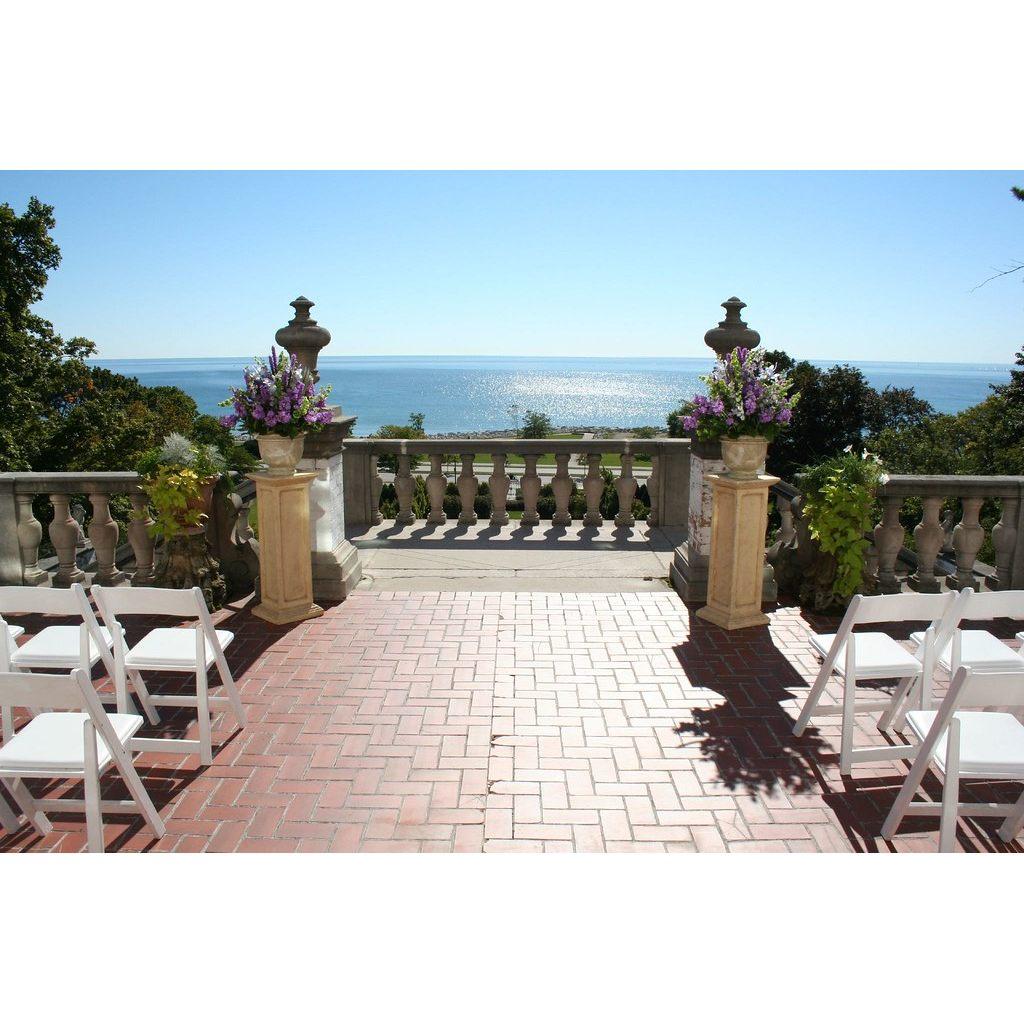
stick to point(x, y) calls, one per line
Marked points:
point(859, 266)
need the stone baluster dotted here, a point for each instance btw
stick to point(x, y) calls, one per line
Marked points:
point(30, 534)
point(64, 533)
point(498, 482)
point(376, 486)
point(436, 483)
point(968, 536)
point(625, 488)
point(1004, 540)
point(593, 491)
point(403, 489)
point(888, 536)
point(530, 485)
point(654, 489)
point(467, 491)
point(142, 540)
point(787, 529)
point(104, 534)
point(561, 484)
point(928, 537)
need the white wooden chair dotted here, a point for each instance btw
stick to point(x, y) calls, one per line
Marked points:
point(966, 745)
point(56, 647)
point(79, 741)
point(194, 651)
point(977, 649)
point(866, 656)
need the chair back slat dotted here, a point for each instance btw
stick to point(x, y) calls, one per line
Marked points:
point(37, 601)
point(33, 690)
point(115, 601)
point(992, 690)
point(993, 604)
point(901, 608)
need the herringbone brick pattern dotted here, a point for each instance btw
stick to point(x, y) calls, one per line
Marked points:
point(520, 722)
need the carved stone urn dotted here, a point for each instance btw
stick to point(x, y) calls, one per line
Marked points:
point(744, 456)
point(281, 454)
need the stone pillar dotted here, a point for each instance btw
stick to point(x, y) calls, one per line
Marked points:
point(30, 535)
point(625, 488)
point(467, 492)
point(436, 483)
point(498, 484)
point(736, 570)
point(529, 484)
point(335, 562)
point(286, 569)
point(928, 536)
point(64, 533)
point(593, 491)
point(561, 484)
point(10, 548)
point(689, 571)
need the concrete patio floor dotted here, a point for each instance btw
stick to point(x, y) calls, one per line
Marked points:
point(418, 721)
point(447, 557)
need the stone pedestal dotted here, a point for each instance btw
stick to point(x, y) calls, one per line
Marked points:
point(736, 572)
point(286, 578)
point(689, 569)
point(336, 567)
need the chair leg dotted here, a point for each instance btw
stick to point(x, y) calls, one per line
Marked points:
point(896, 704)
point(23, 798)
point(7, 722)
point(812, 698)
point(93, 812)
point(849, 720)
point(950, 789)
point(139, 685)
point(1012, 822)
point(233, 695)
point(8, 819)
point(203, 715)
point(139, 793)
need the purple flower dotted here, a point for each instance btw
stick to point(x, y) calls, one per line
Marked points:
point(718, 407)
point(784, 416)
point(689, 422)
point(229, 421)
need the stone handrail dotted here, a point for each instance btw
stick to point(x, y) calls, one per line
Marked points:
point(21, 533)
point(936, 534)
point(668, 483)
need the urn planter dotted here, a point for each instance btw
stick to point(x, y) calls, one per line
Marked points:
point(281, 454)
point(744, 456)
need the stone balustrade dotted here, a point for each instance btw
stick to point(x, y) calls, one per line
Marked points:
point(945, 546)
point(667, 482)
point(21, 533)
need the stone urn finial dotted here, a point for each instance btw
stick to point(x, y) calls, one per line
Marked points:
point(731, 332)
point(303, 337)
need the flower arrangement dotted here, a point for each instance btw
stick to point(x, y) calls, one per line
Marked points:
point(174, 476)
point(279, 397)
point(746, 397)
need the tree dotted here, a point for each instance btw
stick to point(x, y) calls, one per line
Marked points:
point(59, 413)
point(536, 425)
point(895, 407)
point(400, 432)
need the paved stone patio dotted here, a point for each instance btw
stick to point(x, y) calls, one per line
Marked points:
point(417, 721)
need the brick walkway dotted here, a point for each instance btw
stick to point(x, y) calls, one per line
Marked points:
point(530, 721)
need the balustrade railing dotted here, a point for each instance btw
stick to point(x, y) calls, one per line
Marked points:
point(487, 459)
point(21, 533)
point(946, 546)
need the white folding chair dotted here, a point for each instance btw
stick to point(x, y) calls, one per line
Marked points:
point(80, 741)
point(966, 745)
point(856, 657)
point(56, 647)
point(170, 650)
point(976, 649)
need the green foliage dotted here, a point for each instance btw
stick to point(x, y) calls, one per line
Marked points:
point(839, 496)
point(174, 493)
point(536, 425)
point(395, 431)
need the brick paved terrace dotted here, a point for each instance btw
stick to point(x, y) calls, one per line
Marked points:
point(468, 722)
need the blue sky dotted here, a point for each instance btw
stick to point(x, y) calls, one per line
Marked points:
point(857, 266)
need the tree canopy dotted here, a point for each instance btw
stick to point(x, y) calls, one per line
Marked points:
point(58, 411)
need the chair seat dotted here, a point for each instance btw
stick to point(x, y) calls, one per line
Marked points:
point(991, 742)
point(878, 656)
point(57, 647)
point(979, 649)
point(172, 649)
point(15, 631)
point(55, 742)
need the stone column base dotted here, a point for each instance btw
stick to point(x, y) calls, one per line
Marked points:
point(689, 575)
point(336, 573)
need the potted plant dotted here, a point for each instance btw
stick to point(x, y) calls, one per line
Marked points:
point(179, 477)
point(278, 404)
point(747, 404)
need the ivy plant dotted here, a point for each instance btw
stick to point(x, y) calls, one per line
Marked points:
point(173, 476)
point(839, 497)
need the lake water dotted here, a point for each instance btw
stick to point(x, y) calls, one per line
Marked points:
point(466, 393)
